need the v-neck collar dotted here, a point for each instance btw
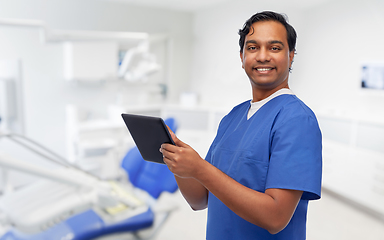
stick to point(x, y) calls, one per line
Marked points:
point(255, 106)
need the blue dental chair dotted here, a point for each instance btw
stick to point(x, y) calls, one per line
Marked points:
point(152, 178)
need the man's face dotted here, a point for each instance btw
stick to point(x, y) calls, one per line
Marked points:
point(266, 57)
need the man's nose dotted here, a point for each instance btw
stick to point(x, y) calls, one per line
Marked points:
point(263, 55)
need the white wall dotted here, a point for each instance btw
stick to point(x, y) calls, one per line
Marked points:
point(333, 44)
point(45, 91)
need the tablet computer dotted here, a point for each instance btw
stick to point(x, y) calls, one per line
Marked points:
point(148, 133)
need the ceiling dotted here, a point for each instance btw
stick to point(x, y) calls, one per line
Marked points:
point(193, 5)
point(181, 5)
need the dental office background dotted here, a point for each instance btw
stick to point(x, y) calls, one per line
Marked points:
point(55, 92)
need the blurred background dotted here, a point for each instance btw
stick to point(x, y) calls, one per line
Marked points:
point(68, 69)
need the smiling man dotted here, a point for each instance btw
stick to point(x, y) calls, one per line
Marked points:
point(266, 58)
point(265, 162)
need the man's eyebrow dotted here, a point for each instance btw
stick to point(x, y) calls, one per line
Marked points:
point(250, 41)
point(276, 41)
point(269, 42)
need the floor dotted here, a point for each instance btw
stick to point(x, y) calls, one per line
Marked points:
point(328, 219)
point(331, 218)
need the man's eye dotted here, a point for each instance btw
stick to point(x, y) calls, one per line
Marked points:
point(252, 48)
point(275, 48)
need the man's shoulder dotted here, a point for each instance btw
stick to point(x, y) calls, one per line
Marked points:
point(236, 112)
point(294, 108)
point(240, 107)
point(295, 104)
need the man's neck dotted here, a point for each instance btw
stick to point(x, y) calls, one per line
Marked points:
point(260, 94)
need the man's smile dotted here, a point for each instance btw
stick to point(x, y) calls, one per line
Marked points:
point(263, 69)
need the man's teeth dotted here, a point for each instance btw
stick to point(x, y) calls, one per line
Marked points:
point(263, 69)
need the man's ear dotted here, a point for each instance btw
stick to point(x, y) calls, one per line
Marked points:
point(241, 57)
point(291, 56)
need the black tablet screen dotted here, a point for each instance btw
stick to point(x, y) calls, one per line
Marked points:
point(148, 133)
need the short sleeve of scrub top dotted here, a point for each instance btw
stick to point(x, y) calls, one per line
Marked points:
point(295, 158)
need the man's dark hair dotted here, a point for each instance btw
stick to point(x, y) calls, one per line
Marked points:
point(269, 16)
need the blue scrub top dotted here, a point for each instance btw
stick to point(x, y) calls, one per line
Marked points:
point(278, 147)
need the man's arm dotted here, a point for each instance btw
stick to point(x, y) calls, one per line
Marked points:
point(195, 193)
point(271, 210)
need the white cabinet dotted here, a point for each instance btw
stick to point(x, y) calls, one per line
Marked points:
point(87, 61)
point(94, 55)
